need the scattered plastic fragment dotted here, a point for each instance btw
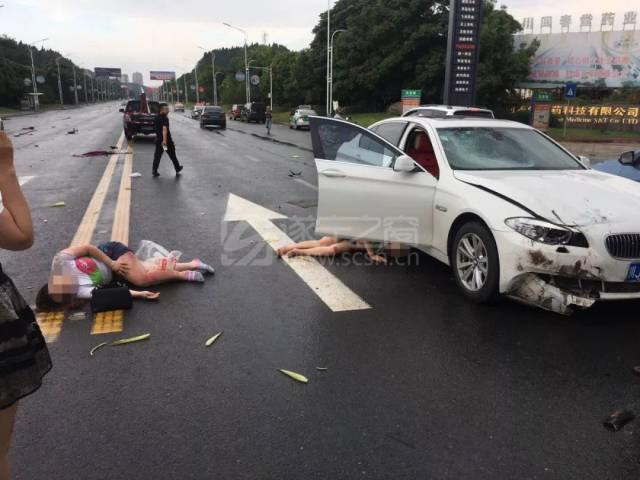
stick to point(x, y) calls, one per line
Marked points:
point(213, 339)
point(75, 316)
point(46, 221)
point(126, 341)
point(294, 174)
point(296, 376)
point(322, 369)
point(135, 175)
point(72, 132)
point(97, 347)
point(295, 156)
point(57, 205)
point(618, 420)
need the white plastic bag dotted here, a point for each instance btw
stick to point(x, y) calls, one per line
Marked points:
point(149, 250)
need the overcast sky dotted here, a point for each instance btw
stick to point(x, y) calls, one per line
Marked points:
point(143, 35)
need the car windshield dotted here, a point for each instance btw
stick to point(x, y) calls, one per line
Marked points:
point(500, 148)
point(306, 113)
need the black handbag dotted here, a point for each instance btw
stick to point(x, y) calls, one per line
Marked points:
point(111, 298)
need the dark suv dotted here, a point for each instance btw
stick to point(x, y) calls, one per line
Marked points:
point(254, 112)
point(136, 122)
point(213, 116)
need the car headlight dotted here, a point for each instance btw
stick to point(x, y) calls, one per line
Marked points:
point(547, 232)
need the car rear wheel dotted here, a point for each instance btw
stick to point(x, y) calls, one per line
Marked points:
point(475, 263)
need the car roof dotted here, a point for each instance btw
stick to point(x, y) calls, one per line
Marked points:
point(457, 122)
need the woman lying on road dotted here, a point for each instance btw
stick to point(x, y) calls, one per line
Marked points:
point(332, 247)
point(77, 271)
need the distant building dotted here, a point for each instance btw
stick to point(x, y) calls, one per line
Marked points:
point(124, 78)
point(136, 77)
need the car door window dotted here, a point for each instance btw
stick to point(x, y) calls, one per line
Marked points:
point(345, 142)
point(419, 147)
point(392, 131)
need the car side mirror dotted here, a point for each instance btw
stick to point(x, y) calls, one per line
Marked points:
point(586, 161)
point(629, 158)
point(404, 163)
point(121, 110)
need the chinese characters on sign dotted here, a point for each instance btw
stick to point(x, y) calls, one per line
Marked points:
point(462, 52)
point(616, 117)
point(410, 99)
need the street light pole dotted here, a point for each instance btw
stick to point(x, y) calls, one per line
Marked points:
point(328, 54)
point(246, 62)
point(93, 98)
point(75, 87)
point(270, 69)
point(86, 94)
point(331, 71)
point(36, 102)
point(197, 86)
point(186, 93)
point(59, 81)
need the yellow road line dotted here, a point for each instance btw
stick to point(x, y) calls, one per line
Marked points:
point(120, 229)
point(88, 224)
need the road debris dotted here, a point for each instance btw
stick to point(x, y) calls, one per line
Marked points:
point(296, 376)
point(618, 420)
point(97, 347)
point(295, 156)
point(135, 175)
point(25, 131)
point(100, 153)
point(294, 174)
point(57, 205)
point(75, 316)
point(322, 369)
point(126, 341)
point(212, 339)
point(72, 132)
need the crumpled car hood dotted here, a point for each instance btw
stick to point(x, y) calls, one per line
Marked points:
point(578, 197)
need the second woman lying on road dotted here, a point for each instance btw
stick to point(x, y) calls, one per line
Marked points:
point(332, 247)
point(77, 271)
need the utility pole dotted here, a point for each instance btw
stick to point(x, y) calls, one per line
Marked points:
point(59, 81)
point(36, 101)
point(93, 98)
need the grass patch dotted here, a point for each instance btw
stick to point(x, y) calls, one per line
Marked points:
point(5, 112)
point(590, 135)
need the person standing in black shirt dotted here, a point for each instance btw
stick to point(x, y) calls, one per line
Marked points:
point(164, 142)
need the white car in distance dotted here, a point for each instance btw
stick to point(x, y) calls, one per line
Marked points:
point(510, 210)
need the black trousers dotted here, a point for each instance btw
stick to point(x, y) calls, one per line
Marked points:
point(171, 151)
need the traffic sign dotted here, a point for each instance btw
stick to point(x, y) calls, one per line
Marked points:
point(240, 76)
point(542, 96)
point(255, 80)
point(570, 90)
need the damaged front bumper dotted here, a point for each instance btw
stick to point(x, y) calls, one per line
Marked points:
point(561, 278)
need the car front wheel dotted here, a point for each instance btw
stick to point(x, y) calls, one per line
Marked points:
point(476, 267)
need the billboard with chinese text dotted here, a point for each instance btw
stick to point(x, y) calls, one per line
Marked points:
point(162, 75)
point(609, 59)
point(615, 117)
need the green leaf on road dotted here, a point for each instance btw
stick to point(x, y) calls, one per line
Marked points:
point(93, 350)
point(57, 205)
point(295, 156)
point(322, 369)
point(212, 339)
point(295, 376)
point(126, 341)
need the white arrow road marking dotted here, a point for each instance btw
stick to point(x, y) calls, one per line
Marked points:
point(21, 181)
point(335, 294)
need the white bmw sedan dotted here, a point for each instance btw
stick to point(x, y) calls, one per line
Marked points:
point(511, 211)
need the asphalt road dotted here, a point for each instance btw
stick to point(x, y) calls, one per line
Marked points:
point(422, 385)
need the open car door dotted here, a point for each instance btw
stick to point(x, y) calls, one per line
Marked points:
point(368, 188)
